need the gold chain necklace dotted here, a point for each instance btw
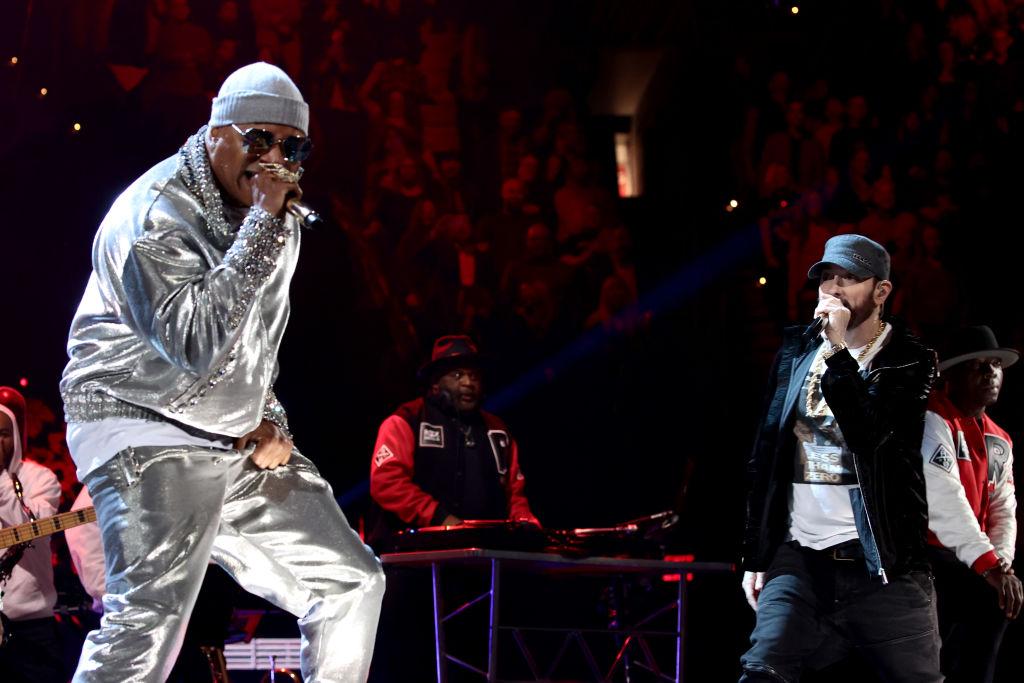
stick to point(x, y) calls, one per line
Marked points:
point(816, 406)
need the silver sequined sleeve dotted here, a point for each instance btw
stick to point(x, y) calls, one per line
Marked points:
point(274, 411)
point(191, 311)
point(254, 255)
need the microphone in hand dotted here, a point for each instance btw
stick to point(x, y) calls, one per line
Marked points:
point(815, 328)
point(308, 218)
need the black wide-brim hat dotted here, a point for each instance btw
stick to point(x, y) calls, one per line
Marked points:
point(978, 341)
point(450, 352)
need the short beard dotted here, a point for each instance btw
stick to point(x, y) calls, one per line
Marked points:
point(859, 317)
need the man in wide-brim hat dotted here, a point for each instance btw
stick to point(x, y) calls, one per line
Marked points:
point(438, 460)
point(441, 459)
point(968, 466)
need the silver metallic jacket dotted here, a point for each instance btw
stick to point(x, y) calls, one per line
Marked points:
point(184, 312)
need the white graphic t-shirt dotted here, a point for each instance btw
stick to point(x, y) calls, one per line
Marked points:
point(821, 510)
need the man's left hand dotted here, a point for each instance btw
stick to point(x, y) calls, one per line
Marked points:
point(753, 584)
point(1008, 590)
point(273, 447)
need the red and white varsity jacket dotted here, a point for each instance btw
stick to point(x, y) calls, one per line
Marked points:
point(968, 469)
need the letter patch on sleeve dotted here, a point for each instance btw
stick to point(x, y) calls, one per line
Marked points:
point(382, 455)
point(998, 456)
point(941, 458)
point(499, 446)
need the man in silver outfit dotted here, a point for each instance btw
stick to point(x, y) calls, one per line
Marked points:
point(172, 418)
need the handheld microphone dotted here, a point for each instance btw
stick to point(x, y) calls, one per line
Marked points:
point(815, 328)
point(308, 218)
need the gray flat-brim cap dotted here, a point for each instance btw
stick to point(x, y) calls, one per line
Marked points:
point(862, 256)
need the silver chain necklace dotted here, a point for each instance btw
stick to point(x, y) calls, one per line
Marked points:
point(194, 170)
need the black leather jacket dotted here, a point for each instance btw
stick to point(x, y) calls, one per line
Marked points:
point(881, 415)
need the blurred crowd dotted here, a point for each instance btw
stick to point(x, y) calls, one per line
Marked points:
point(919, 129)
point(468, 206)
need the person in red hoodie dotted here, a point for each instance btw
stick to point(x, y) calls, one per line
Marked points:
point(440, 459)
point(972, 528)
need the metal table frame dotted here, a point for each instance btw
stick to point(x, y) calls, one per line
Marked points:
point(537, 562)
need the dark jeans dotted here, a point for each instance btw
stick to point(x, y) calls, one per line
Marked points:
point(32, 653)
point(815, 610)
point(970, 621)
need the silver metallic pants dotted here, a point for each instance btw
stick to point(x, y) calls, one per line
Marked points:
point(164, 513)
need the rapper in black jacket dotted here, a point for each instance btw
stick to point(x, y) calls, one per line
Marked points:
point(881, 414)
point(834, 552)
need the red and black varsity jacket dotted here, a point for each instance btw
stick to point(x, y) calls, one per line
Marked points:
point(429, 462)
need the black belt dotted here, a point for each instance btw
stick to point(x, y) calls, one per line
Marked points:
point(851, 551)
point(848, 551)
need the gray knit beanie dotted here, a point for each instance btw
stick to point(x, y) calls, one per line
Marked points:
point(260, 93)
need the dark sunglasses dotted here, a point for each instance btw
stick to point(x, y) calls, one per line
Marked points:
point(259, 141)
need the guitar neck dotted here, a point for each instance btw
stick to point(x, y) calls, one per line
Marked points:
point(30, 531)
